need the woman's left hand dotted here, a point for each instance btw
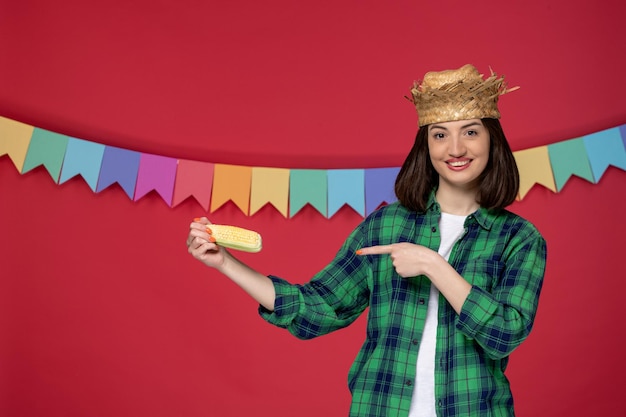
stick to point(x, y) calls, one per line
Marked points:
point(408, 259)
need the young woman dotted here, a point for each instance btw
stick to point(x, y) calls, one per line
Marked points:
point(451, 278)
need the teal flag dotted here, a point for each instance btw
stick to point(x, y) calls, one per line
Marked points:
point(569, 158)
point(48, 149)
point(307, 186)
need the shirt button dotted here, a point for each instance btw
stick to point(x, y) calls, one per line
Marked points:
point(409, 383)
point(439, 403)
point(415, 341)
point(434, 229)
point(421, 301)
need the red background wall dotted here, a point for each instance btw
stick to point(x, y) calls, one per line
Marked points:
point(102, 311)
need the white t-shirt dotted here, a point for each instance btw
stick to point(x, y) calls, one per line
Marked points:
point(451, 228)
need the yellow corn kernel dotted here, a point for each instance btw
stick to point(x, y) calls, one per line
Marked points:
point(236, 237)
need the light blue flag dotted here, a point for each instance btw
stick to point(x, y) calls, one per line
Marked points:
point(121, 166)
point(308, 186)
point(48, 149)
point(379, 187)
point(603, 149)
point(569, 158)
point(84, 158)
point(346, 186)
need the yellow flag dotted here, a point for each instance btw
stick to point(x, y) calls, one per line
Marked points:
point(270, 185)
point(231, 182)
point(14, 140)
point(534, 168)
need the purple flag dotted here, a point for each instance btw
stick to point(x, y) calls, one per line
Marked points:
point(379, 187)
point(121, 166)
point(156, 173)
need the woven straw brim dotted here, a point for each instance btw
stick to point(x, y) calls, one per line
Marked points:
point(459, 100)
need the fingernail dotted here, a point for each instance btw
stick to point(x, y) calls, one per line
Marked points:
point(359, 252)
point(212, 239)
point(197, 219)
point(209, 231)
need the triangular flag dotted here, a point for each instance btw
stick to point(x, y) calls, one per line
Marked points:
point(231, 182)
point(569, 158)
point(622, 132)
point(82, 158)
point(14, 140)
point(47, 148)
point(308, 186)
point(379, 187)
point(121, 166)
point(534, 168)
point(603, 149)
point(346, 186)
point(193, 178)
point(269, 185)
point(156, 173)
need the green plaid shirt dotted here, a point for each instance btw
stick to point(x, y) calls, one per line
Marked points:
point(502, 255)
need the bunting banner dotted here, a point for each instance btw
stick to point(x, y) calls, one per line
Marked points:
point(287, 190)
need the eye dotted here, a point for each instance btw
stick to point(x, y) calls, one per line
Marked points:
point(472, 133)
point(438, 135)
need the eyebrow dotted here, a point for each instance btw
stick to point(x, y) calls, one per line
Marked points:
point(462, 127)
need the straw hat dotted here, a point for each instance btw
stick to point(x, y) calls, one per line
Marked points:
point(459, 94)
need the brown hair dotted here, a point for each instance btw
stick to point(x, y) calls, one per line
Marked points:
point(499, 182)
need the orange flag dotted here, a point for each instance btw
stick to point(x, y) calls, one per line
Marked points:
point(231, 182)
point(14, 140)
point(534, 168)
point(270, 185)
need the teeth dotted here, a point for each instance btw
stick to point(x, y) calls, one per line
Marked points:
point(458, 163)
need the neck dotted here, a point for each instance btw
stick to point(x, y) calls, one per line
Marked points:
point(459, 201)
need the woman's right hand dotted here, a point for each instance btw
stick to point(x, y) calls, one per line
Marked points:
point(201, 246)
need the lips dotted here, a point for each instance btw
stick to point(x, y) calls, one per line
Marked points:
point(458, 164)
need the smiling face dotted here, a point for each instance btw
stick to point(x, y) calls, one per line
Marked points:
point(459, 152)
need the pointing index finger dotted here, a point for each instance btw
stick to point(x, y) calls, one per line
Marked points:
point(375, 250)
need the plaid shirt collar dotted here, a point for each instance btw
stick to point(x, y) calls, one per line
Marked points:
point(483, 216)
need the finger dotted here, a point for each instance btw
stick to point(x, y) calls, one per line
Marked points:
point(200, 247)
point(375, 250)
point(194, 242)
point(196, 236)
point(198, 229)
point(200, 223)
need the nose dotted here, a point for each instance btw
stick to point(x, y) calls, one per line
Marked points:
point(457, 147)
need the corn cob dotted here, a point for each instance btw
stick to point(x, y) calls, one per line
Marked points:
point(235, 237)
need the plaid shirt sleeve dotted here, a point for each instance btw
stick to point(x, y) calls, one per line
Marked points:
point(333, 299)
point(500, 318)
